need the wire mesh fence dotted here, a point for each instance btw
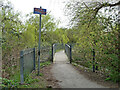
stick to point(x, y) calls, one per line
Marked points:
point(56, 47)
point(46, 53)
point(82, 56)
point(59, 46)
point(27, 62)
point(29, 57)
point(97, 58)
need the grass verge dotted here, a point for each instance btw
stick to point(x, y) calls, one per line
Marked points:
point(32, 80)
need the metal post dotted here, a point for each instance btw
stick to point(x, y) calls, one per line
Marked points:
point(65, 48)
point(93, 60)
point(34, 58)
point(39, 46)
point(70, 54)
point(21, 67)
point(52, 52)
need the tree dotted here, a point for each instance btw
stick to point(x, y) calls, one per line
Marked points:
point(48, 26)
point(98, 31)
point(17, 35)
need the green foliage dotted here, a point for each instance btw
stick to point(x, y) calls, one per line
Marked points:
point(99, 31)
point(30, 80)
point(45, 63)
point(17, 35)
point(9, 83)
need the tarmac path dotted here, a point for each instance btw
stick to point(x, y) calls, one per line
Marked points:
point(68, 76)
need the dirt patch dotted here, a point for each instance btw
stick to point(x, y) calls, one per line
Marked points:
point(96, 77)
point(47, 75)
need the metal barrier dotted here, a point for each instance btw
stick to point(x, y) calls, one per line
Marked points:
point(82, 56)
point(53, 51)
point(45, 53)
point(68, 51)
point(27, 63)
point(92, 58)
point(56, 46)
point(27, 58)
point(59, 46)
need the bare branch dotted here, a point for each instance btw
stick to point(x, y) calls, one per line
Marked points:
point(101, 6)
point(105, 5)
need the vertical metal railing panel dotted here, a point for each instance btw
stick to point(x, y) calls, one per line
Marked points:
point(45, 54)
point(68, 51)
point(27, 62)
point(84, 56)
point(53, 51)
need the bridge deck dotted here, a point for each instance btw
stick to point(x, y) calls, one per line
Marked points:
point(68, 76)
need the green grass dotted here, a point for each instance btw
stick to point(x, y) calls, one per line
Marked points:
point(34, 81)
point(59, 50)
point(31, 81)
point(45, 64)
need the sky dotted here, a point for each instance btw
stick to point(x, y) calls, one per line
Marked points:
point(55, 6)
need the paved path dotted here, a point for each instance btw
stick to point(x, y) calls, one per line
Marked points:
point(68, 76)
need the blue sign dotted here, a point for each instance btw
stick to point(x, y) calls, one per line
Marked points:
point(39, 11)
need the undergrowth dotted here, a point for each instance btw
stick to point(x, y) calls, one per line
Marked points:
point(31, 81)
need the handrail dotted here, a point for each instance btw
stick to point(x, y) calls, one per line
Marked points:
point(68, 51)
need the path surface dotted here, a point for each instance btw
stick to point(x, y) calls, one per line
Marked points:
point(68, 76)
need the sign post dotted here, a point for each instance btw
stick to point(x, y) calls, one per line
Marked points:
point(41, 12)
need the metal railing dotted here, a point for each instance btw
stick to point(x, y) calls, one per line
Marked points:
point(59, 46)
point(83, 56)
point(27, 63)
point(95, 58)
point(55, 47)
point(68, 51)
point(53, 51)
point(45, 53)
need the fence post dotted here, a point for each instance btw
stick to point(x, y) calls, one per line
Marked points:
point(93, 60)
point(21, 67)
point(96, 66)
point(65, 48)
point(52, 53)
point(34, 58)
point(70, 53)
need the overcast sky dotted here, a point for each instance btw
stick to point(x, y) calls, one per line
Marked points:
point(55, 6)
